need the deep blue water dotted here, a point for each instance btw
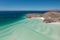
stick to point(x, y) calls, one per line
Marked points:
point(7, 17)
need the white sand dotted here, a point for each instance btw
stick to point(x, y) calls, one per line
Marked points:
point(38, 18)
point(55, 23)
point(43, 19)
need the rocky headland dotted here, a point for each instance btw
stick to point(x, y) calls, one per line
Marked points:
point(50, 16)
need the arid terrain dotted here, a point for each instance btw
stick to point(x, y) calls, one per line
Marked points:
point(50, 16)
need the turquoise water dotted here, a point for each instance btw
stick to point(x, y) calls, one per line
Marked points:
point(14, 26)
point(30, 29)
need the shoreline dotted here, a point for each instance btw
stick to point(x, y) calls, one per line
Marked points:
point(43, 19)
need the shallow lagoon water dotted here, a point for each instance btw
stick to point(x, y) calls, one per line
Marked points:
point(30, 29)
point(14, 26)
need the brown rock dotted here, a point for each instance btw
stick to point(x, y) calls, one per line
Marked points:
point(48, 20)
point(33, 15)
point(29, 15)
point(51, 16)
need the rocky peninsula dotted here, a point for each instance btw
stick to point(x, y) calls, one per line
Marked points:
point(49, 17)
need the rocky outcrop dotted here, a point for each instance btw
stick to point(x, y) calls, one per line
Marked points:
point(33, 15)
point(48, 20)
point(50, 16)
point(29, 15)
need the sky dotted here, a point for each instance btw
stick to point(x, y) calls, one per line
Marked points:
point(29, 4)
